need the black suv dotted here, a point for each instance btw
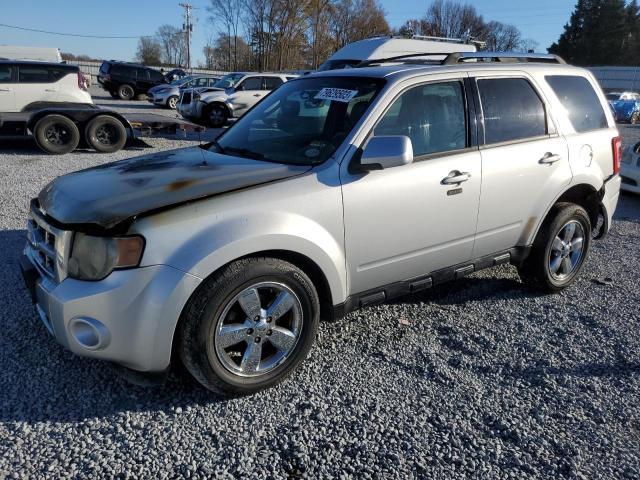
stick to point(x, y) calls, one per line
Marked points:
point(126, 80)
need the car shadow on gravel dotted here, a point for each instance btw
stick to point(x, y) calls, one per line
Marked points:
point(41, 381)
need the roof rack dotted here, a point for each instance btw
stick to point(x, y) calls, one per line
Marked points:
point(455, 58)
point(508, 57)
point(464, 41)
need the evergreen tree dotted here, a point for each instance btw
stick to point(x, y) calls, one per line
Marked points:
point(596, 34)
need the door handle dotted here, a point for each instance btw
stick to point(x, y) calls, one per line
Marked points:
point(5, 89)
point(550, 158)
point(455, 177)
point(257, 95)
point(50, 89)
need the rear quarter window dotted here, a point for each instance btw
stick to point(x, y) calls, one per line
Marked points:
point(33, 74)
point(580, 100)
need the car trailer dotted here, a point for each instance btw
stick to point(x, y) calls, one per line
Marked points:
point(59, 129)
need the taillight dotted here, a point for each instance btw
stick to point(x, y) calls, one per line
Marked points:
point(82, 81)
point(616, 145)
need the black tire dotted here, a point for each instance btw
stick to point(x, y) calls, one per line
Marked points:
point(106, 134)
point(537, 270)
point(126, 92)
point(635, 118)
point(113, 94)
point(215, 116)
point(172, 102)
point(203, 316)
point(56, 134)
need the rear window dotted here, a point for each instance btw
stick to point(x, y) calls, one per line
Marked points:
point(511, 109)
point(582, 103)
point(104, 68)
point(5, 73)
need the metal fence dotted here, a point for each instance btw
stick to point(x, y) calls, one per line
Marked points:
point(92, 69)
point(618, 78)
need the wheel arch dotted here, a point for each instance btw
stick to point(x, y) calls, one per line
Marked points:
point(583, 194)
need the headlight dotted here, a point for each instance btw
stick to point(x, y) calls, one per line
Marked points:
point(93, 258)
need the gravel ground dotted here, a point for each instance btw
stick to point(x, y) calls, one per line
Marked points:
point(477, 378)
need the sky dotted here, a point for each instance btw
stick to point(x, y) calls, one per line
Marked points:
point(540, 20)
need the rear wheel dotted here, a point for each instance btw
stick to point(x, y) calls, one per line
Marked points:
point(216, 116)
point(56, 134)
point(106, 134)
point(172, 102)
point(249, 326)
point(125, 92)
point(560, 249)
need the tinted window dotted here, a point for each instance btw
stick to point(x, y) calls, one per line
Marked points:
point(155, 75)
point(583, 106)
point(5, 73)
point(272, 82)
point(211, 82)
point(432, 116)
point(104, 68)
point(29, 74)
point(512, 110)
point(200, 82)
point(143, 74)
point(123, 70)
point(253, 83)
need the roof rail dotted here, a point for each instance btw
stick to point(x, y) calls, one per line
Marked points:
point(509, 57)
point(438, 60)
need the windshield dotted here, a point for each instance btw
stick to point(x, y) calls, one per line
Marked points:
point(228, 81)
point(302, 122)
point(338, 64)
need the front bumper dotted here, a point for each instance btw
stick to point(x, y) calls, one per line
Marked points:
point(158, 98)
point(128, 318)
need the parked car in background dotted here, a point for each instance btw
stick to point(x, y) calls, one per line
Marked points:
point(231, 97)
point(615, 96)
point(126, 80)
point(626, 111)
point(27, 85)
point(38, 54)
point(630, 168)
point(168, 95)
point(338, 191)
point(388, 46)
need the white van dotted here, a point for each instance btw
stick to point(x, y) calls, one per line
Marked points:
point(38, 54)
point(387, 47)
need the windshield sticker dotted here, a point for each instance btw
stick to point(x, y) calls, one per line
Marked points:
point(336, 94)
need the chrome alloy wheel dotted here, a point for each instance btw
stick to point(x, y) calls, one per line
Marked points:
point(258, 329)
point(566, 251)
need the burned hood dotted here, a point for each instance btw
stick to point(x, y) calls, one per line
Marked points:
point(110, 194)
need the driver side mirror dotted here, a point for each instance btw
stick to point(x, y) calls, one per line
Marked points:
point(386, 151)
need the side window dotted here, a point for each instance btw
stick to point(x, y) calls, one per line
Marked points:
point(56, 74)
point(6, 74)
point(212, 82)
point(142, 74)
point(511, 109)
point(252, 83)
point(580, 100)
point(271, 83)
point(432, 116)
point(29, 74)
point(155, 75)
point(200, 82)
point(124, 71)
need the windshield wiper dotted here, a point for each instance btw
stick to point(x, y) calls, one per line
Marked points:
point(243, 152)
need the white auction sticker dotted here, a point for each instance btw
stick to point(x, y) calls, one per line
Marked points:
point(336, 94)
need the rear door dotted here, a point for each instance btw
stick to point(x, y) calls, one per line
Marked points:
point(525, 162)
point(8, 74)
point(36, 83)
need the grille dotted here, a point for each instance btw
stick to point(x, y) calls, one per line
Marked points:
point(48, 247)
point(186, 98)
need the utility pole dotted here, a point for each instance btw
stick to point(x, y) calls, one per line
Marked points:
point(188, 28)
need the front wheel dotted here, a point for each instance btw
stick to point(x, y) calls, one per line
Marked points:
point(216, 116)
point(249, 326)
point(172, 102)
point(559, 250)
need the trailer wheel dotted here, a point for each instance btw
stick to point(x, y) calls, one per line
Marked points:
point(106, 134)
point(125, 92)
point(56, 134)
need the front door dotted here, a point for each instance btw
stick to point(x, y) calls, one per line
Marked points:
point(407, 221)
point(525, 163)
point(249, 92)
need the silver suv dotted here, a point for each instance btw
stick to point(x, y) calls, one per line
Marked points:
point(340, 190)
point(234, 95)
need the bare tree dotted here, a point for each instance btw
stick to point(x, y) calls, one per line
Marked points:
point(149, 51)
point(228, 14)
point(173, 45)
point(502, 37)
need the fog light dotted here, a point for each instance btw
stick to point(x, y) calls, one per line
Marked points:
point(89, 333)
